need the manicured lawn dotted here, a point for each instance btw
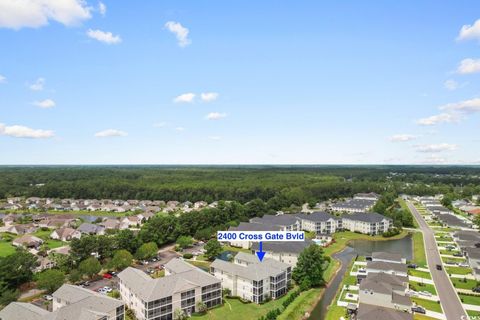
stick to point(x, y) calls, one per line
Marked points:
point(448, 252)
point(418, 316)
point(235, 249)
point(429, 305)
point(53, 244)
point(6, 248)
point(418, 286)
point(43, 234)
point(419, 249)
point(420, 274)
point(472, 313)
point(234, 309)
point(205, 265)
point(458, 270)
point(331, 269)
point(454, 259)
point(460, 283)
point(334, 312)
point(475, 300)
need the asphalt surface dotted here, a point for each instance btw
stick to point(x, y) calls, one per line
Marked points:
point(452, 307)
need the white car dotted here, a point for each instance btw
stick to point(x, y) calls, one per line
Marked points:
point(48, 297)
point(107, 289)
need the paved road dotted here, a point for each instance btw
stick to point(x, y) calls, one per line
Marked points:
point(449, 300)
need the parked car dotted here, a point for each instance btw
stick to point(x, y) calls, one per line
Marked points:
point(476, 289)
point(107, 276)
point(439, 267)
point(419, 310)
point(48, 297)
point(112, 273)
point(107, 289)
point(458, 254)
point(463, 264)
point(412, 266)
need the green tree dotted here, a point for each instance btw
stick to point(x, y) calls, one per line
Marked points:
point(184, 242)
point(90, 267)
point(201, 307)
point(159, 229)
point(51, 280)
point(147, 251)
point(17, 268)
point(121, 259)
point(310, 267)
point(212, 249)
point(75, 276)
point(179, 314)
point(476, 220)
point(127, 240)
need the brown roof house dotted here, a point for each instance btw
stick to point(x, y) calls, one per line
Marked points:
point(65, 234)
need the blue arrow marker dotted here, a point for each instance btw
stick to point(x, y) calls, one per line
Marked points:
point(260, 253)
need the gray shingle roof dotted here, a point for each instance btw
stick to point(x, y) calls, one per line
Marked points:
point(283, 246)
point(387, 266)
point(317, 216)
point(366, 217)
point(370, 312)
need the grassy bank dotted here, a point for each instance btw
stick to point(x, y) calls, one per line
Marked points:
point(419, 249)
point(303, 303)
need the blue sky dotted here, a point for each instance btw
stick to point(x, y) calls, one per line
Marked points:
point(239, 82)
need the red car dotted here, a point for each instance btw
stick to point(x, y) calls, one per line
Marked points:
point(107, 276)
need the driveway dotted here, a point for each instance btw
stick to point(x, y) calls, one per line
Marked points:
point(452, 307)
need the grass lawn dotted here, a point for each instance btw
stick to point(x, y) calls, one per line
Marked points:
point(429, 305)
point(205, 265)
point(475, 300)
point(342, 239)
point(472, 313)
point(234, 309)
point(235, 249)
point(418, 316)
point(458, 270)
point(418, 286)
point(6, 248)
point(53, 244)
point(335, 312)
point(461, 284)
point(449, 252)
point(453, 259)
point(419, 249)
point(420, 274)
point(331, 269)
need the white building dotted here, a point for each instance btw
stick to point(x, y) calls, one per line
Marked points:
point(368, 223)
point(252, 280)
point(182, 288)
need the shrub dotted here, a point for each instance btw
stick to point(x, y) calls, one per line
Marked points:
point(187, 256)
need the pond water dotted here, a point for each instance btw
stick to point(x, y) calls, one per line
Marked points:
point(361, 248)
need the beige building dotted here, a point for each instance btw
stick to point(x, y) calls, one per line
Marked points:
point(183, 287)
point(252, 280)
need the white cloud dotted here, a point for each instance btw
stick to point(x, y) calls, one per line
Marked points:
point(209, 96)
point(110, 133)
point(45, 104)
point(215, 138)
point(402, 137)
point(469, 66)
point(37, 85)
point(102, 8)
point(17, 14)
point(215, 116)
point(159, 124)
point(103, 36)
point(185, 98)
point(436, 147)
point(17, 131)
point(180, 32)
point(466, 106)
point(3, 79)
point(434, 159)
point(450, 85)
point(180, 129)
point(439, 118)
point(470, 31)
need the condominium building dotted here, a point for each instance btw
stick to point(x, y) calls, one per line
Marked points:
point(69, 302)
point(248, 278)
point(183, 287)
point(319, 222)
point(368, 223)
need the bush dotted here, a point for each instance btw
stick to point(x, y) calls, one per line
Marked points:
point(187, 256)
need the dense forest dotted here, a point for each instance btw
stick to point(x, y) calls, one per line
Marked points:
point(277, 184)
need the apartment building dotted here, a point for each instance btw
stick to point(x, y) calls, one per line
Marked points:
point(368, 223)
point(319, 222)
point(69, 302)
point(286, 222)
point(182, 288)
point(252, 280)
point(353, 205)
point(286, 252)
